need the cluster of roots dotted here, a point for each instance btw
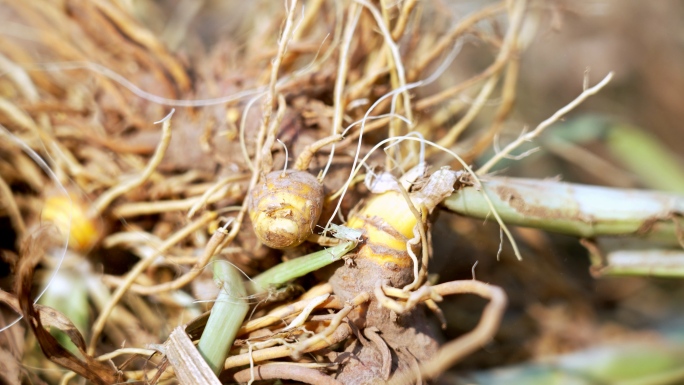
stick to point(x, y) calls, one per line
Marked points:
point(136, 203)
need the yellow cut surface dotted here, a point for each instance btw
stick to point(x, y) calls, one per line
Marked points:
point(388, 224)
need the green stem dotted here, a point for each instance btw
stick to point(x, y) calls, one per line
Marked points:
point(226, 316)
point(231, 306)
point(573, 209)
point(655, 362)
point(295, 268)
point(652, 262)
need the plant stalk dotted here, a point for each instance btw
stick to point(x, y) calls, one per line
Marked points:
point(226, 316)
point(573, 209)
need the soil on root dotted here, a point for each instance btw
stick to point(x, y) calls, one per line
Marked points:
point(408, 337)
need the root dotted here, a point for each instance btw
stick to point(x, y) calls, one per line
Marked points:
point(448, 39)
point(299, 321)
point(372, 333)
point(308, 153)
point(209, 196)
point(324, 336)
point(271, 100)
point(217, 242)
point(285, 372)
point(543, 125)
point(138, 269)
point(419, 269)
point(454, 351)
point(340, 334)
point(108, 196)
point(424, 293)
point(342, 68)
point(280, 314)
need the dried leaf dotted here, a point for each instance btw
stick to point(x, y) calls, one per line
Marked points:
point(96, 371)
point(189, 366)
